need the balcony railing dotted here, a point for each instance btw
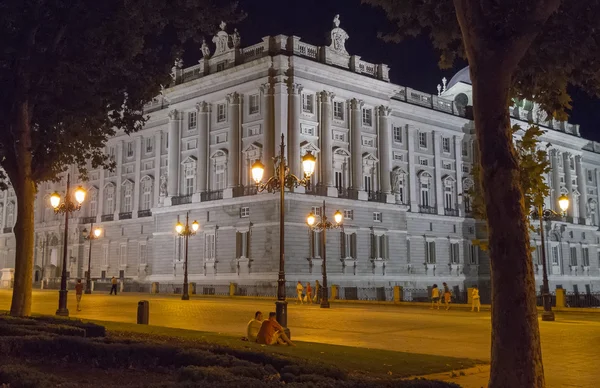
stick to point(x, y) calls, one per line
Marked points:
point(316, 190)
point(451, 212)
point(244, 191)
point(575, 220)
point(87, 220)
point(107, 217)
point(211, 195)
point(144, 213)
point(344, 192)
point(376, 196)
point(125, 216)
point(427, 209)
point(181, 200)
point(7, 230)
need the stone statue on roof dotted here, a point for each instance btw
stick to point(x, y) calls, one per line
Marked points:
point(338, 37)
point(236, 39)
point(205, 49)
point(221, 40)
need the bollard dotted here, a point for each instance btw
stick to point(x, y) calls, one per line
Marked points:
point(561, 300)
point(155, 287)
point(334, 292)
point(143, 312)
point(232, 289)
point(398, 293)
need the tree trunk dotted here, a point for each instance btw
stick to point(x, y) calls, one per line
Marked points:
point(516, 351)
point(25, 189)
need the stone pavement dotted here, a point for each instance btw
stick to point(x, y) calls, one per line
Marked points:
point(570, 345)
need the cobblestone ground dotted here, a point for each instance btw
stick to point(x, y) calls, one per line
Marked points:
point(570, 345)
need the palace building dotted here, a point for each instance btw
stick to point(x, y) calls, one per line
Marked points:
point(395, 161)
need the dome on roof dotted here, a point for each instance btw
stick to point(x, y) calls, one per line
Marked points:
point(462, 76)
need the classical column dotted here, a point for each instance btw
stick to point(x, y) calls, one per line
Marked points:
point(555, 178)
point(100, 199)
point(568, 181)
point(157, 156)
point(326, 146)
point(280, 109)
point(136, 183)
point(202, 167)
point(294, 91)
point(233, 168)
point(439, 185)
point(356, 146)
point(582, 188)
point(385, 152)
point(119, 170)
point(413, 180)
point(459, 182)
point(268, 129)
point(174, 154)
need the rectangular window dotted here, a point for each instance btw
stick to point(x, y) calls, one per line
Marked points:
point(430, 252)
point(465, 169)
point(590, 176)
point(191, 145)
point(149, 145)
point(473, 254)
point(192, 120)
point(348, 214)
point(307, 130)
point(585, 256)
point(573, 257)
point(446, 144)
point(339, 180)
point(454, 254)
point(316, 210)
point(221, 114)
point(423, 161)
point(447, 166)
point(130, 149)
point(123, 255)
point(105, 255)
point(307, 103)
point(465, 148)
point(348, 248)
point(367, 141)
point(221, 66)
point(146, 198)
point(398, 156)
point(338, 110)
point(338, 136)
point(241, 244)
point(220, 177)
point(397, 134)
point(423, 139)
point(368, 184)
point(555, 255)
point(190, 185)
point(143, 258)
point(448, 198)
point(254, 131)
point(253, 104)
point(245, 212)
point(377, 216)
point(367, 117)
point(209, 246)
point(424, 195)
point(379, 247)
point(93, 203)
point(222, 138)
point(315, 244)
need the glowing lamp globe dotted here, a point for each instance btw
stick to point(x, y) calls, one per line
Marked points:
point(80, 195)
point(310, 220)
point(179, 227)
point(563, 202)
point(338, 216)
point(308, 164)
point(258, 169)
point(55, 200)
point(195, 226)
point(97, 232)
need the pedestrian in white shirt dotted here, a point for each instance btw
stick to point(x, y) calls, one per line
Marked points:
point(254, 326)
point(299, 290)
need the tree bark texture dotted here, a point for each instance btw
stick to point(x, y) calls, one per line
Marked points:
point(516, 350)
point(25, 190)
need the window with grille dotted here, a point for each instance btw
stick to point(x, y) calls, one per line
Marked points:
point(348, 245)
point(423, 161)
point(209, 252)
point(454, 254)
point(367, 117)
point(447, 166)
point(397, 134)
point(348, 214)
point(307, 130)
point(377, 216)
point(245, 212)
point(316, 210)
point(242, 242)
point(123, 255)
point(573, 256)
point(473, 254)
point(143, 258)
point(130, 149)
point(338, 110)
point(192, 120)
point(423, 139)
point(127, 198)
point(430, 252)
point(221, 114)
point(93, 203)
point(149, 145)
point(585, 257)
point(446, 145)
point(110, 201)
point(448, 198)
point(220, 177)
point(307, 103)
point(315, 244)
point(465, 169)
point(555, 255)
point(254, 104)
point(147, 196)
point(379, 247)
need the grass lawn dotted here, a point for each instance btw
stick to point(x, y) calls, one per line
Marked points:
point(356, 361)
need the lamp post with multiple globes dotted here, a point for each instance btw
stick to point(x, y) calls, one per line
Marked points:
point(282, 179)
point(185, 231)
point(67, 207)
point(91, 236)
point(322, 225)
point(545, 215)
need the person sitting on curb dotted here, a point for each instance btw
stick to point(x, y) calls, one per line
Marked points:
point(254, 327)
point(272, 333)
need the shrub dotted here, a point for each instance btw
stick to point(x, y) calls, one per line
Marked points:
point(314, 369)
point(92, 330)
point(11, 330)
point(19, 376)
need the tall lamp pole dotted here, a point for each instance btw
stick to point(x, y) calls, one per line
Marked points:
point(91, 236)
point(67, 207)
point(545, 215)
point(322, 225)
point(282, 179)
point(185, 231)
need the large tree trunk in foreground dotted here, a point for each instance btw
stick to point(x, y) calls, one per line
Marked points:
point(516, 351)
point(25, 190)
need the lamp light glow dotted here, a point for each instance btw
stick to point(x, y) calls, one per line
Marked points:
point(97, 232)
point(179, 227)
point(310, 220)
point(55, 200)
point(258, 169)
point(308, 164)
point(80, 195)
point(195, 226)
point(338, 216)
point(563, 202)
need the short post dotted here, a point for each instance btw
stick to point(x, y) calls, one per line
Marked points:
point(232, 289)
point(192, 288)
point(334, 291)
point(397, 294)
point(155, 287)
point(561, 299)
point(143, 312)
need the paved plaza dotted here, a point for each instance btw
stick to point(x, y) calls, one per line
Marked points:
point(570, 345)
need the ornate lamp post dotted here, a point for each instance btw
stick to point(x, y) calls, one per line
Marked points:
point(185, 231)
point(91, 236)
point(277, 183)
point(322, 225)
point(545, 215)
point(66, 207)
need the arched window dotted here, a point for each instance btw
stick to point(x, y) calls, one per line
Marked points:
point(93, 202)
point(189, 177)
point(218, 179)
point(399, 185)
point(425, 189)
point(146, 197)
point(449, 200)
point(127, 196)
point(109, 198)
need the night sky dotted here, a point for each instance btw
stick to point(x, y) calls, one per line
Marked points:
point(413, 62)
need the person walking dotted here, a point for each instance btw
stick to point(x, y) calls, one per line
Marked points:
point(317, 292)
point(435, 297)
point(447, 296)
point(113, 286)
point(309, 296)
point(299, 290)
point(78, 293)
point(476, 300)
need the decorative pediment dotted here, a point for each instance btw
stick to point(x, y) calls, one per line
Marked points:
point(109, 185)
point(424, 174)
point(92, 188)
point(147, 178)
point(253, 147)
point(576, 193)
point(127, 182)
point(306, 146)
point(189, 160)
point(369, 157)
point(219, 154)
point(467, 183)
point(448, 180)
point(341, 152)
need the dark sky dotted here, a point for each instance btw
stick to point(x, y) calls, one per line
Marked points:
point(413, 62)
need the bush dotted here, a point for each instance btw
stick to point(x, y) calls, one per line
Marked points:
point(314, 369)
point(92, 330)
point(18, 376)
point(11, 330)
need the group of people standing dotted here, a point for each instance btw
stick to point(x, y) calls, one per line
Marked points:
point(306, 295)
point(436, 300)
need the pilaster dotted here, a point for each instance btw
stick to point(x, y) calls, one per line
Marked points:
point(385, 143)
point(568, 180)
point(174, 153)
point(136, 183)
point(356, 144)
point(581, 188)
point(280, 109)
point(119, 169)
point(439, 186)
point(459, 182)
point(555, 179)
point(233, 173)
point(326, 143)
point(101, 198)
point(413, 180)
point(202, 168)
point(268, 129)
point(294, 91)
point(157, 156)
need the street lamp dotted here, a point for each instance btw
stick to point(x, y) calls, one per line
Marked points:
point(322, 225)
point(66, 207)
point(185, 231)
point(545, 215)
point(91, 236)
point(277, 183)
